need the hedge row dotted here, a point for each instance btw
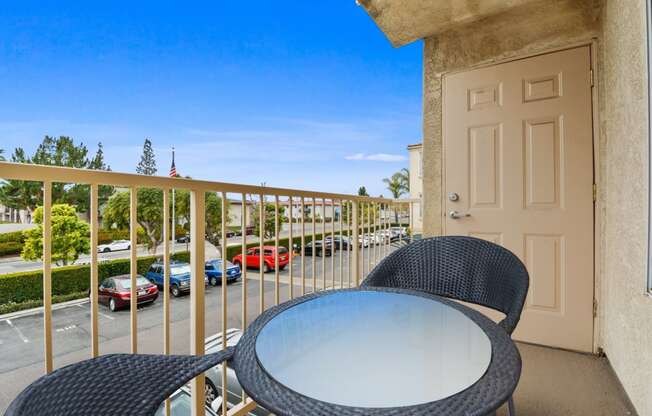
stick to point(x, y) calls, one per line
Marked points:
point(11, 243)
point(26, 288)
point(12, 237)
point(10, 248)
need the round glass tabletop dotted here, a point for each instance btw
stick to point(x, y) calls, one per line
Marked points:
point(373, 349)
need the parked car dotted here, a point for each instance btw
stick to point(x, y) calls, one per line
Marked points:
point(253, 258)
point(398, 233)
point(116, 245)
point(214, 375)
point(250, 230)
point(318, 248)
point(183, 239)
point(365, 241)
point(181, 404)
point(115, 291)
point(213, 270)
point(179, 277)
point(343, 243)
point(230, 234)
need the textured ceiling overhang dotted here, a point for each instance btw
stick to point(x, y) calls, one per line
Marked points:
point(404, 21)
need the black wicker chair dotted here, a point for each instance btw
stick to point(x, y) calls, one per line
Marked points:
point(463, 268)
point(117, 384)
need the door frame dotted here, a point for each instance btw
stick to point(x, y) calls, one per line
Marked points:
point(595, 131)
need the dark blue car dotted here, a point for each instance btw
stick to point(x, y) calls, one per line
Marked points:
point(213, 270)
point(179, 277)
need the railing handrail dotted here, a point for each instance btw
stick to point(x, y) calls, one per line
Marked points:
point(38, 173)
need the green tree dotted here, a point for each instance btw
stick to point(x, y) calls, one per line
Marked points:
point(70, 236)
point(149, 215)
point(147, 164)
point(362, 191)
point(213, 232)
point(52, 151)
point(269, 227)
point(2, 158)
point(404, 174)
point(396, 186)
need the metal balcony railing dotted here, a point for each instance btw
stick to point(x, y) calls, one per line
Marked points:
point(362, 219)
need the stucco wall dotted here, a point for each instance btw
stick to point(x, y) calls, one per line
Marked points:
point(534, 27)
point(626, 312)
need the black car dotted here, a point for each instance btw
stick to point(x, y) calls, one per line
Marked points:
point(184, 239)
point(328, 251)
point(343, 243)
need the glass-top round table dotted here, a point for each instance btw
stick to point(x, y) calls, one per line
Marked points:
point(351, 340)
point(371, 349)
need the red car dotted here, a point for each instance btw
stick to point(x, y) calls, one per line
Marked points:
point(253, 258)
point(116, 291)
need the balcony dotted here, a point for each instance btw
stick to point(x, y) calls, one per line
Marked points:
point(73, 332)
point(553, 382)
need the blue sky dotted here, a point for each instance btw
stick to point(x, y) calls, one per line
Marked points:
point(296, 94)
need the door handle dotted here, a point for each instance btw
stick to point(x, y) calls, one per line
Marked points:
point(456, 215)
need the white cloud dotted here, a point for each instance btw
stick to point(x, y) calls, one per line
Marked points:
point(377, 157)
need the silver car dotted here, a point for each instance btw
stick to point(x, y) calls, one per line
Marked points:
point(181, 405)
point(214, 375)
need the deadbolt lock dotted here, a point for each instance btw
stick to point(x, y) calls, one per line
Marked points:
point(453, 197)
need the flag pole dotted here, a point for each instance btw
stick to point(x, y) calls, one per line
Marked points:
point(174, 223)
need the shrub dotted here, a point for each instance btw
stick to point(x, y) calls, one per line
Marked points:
point(28, 286)
point(10, 248)
point(12, 237)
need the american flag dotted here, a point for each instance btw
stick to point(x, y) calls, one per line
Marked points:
point(173, 168)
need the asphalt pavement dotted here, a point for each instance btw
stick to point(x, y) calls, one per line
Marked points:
point(21, 337)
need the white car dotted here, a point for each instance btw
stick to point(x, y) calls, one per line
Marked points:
point(181, 405)
point(116, 245)
point(214, 375)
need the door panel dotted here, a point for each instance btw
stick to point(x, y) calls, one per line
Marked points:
point(518, 150)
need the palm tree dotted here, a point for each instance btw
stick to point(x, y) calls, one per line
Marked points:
point(396, 186)
point(1, 152)
point(405, 179)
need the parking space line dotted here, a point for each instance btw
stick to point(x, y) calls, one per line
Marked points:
point(101, 314)
point(18, 331)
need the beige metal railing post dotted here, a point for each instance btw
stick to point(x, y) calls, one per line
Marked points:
point(224, 302)
point(388, 243)
point(197, 295)
point(243, 215)
point(166, 270)
point(133, 266)
point(356, 244)
point(277, 277)
point(352, 242)
point(411, 219)
point(94, 208)
point(339, 216)
point(376, 241)
point(371, 238)
point(47, 275)
point(261, 253)
point(244, 260)
point(166, 280)
point(303, 246)
point(291, 246)
point(313, 251)
point(323, 244)
point(332, 244)
point(360, 212)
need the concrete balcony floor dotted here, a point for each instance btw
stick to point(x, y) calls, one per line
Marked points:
point(563, 383)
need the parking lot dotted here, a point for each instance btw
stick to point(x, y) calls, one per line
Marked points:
point(21, 338)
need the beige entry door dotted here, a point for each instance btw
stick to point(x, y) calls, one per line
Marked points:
point(518, 156)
